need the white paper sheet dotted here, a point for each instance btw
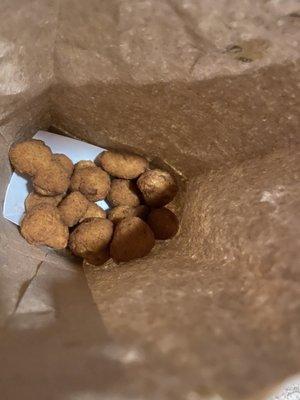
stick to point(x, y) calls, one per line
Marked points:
point(19, 187)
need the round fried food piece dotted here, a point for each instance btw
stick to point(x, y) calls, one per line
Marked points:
point(116, 214)
point(123, 193)
point(51, 180)
point(72, 208)
point(93, 182)
point(97, 258)
point(158, 187)
point(42, 225)
point(84, 164)
point(29, 156)
point(91, 236)
point(122, 165)
point(34, 199)
point(132, 239)
point(93, 211)
point(65, 162)
point(163, 223)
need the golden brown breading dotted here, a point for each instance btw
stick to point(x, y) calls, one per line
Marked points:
point(132, 239)
point(122, 165)
point(51, 180)
point(91, 236)
point(116, 214)
point(65, 162)
point(84, 164)
point(42, 225)
point(29, 156)
point(72, 208)
point(93, 182)
point(34, 199)
point(163, 222)
point(123, 193)
point(97, 258)
point(93, 211)
point(158, 187)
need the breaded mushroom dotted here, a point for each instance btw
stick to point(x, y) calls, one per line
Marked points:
point(42, 225)
point(65, 162)
point(93, 182)
point(163, 222)
point(34, 199)
point(132, 239)
point(116, 214)
point(97, 258)
point(123, 193)
point(51, 180)
point(84, 164)
point(72, 208)
point(158, 187)
point(93, 211)
point(29, 156)
point(122, 165)
point(91, 236)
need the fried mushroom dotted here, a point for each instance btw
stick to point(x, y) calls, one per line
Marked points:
point(42, 225)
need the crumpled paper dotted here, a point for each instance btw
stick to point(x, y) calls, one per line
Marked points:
point(206, 89)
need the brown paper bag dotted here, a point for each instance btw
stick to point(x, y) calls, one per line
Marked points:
point(206, 88)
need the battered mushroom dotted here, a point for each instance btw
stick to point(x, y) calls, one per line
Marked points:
point(29, 156)
point(84, 164)
point(158, 187)
point(51, 180)
point(72, 208)
point(65, 162)
point(123, 193)
point(34, 199)
point(97, 258)
point(132, 239)
point(93, 182)
point(93, 211)
point(122, 165)
point(163, 223)
point(116, 214)
point(91, 236)
point(42, 225)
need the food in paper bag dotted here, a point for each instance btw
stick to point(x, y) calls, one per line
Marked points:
point(158, 187)
point(163, 223)
point(122, 165)
point(123, 192)
point(43, 225)
point(118, 213)
point(132, 239)
point(93, 211)
point(64, 196)
point(91, 181)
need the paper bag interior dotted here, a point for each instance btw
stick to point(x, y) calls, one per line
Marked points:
point(207, 89)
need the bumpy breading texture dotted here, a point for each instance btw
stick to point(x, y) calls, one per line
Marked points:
point(122, 165)
point(51, 180)
point(123, 193)
point(34, 199)
point(132, 239)
point(93, 211)
point(84, 164)
point(116, 214)
point(72, 208)
point(91, 236)
point(158, 187)
point(42, 225)
point(97, 258)
point(163, 223)
point(65, 162)
point(29, 156)
point(93, 182)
